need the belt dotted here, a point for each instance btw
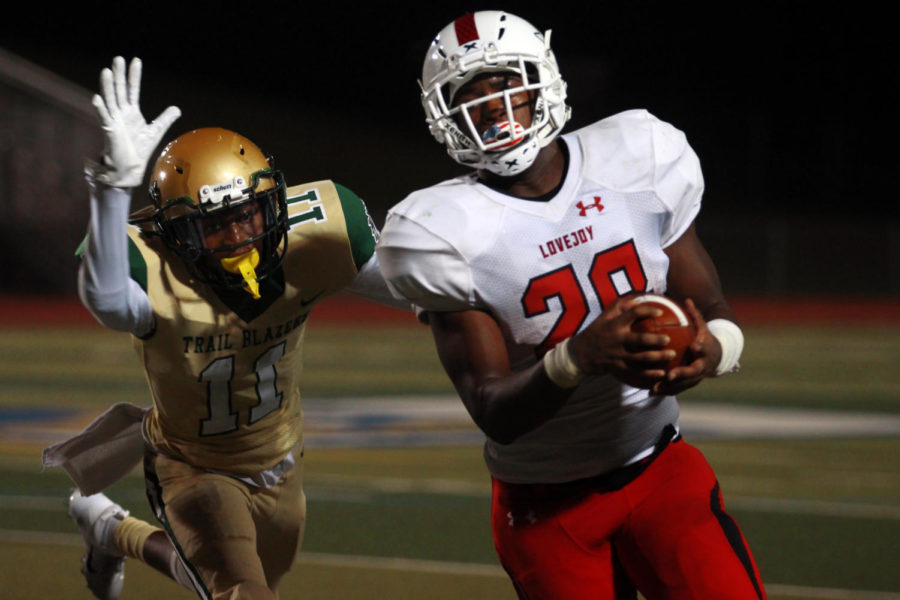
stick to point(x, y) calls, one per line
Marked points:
point(605, 482)
point(619, 478)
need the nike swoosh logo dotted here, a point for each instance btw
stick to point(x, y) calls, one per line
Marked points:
point(305, 303)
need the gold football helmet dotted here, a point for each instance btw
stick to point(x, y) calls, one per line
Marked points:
point(211, 176)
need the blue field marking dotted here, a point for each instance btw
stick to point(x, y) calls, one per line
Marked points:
point(418, 421)
point(30, 414)
point(408, 421)
point(39, 426)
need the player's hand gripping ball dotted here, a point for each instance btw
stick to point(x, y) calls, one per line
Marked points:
point(674, 322)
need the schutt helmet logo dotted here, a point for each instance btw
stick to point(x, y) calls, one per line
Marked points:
point(582, 209)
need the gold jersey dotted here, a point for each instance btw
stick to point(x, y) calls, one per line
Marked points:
point(224, 369)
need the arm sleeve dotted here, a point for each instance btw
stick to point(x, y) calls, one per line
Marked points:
point(424, 268)
point(370, 284)
point(363, 235)
point(634, 151)
point(678, 179)
point(361, 229)
point(104, 283)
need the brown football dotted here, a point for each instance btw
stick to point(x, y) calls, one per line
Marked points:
point(674, 322)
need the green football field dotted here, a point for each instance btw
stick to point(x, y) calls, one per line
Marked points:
point(806, 443)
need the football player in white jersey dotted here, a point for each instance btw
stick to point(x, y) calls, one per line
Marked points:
point(524, 270)
point(215, 281)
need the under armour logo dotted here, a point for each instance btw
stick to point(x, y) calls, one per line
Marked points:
point(582, 209)
point(512, 163)
point(470, 46)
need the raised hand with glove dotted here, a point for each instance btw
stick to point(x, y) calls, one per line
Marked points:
point(130, 140)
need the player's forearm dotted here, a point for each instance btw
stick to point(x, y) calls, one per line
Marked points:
point(105, 258)
point(504, 404)
point(370, 284)
point(104, 282)
point(508, 407)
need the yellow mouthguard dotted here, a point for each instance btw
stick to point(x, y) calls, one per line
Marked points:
point(245, 265)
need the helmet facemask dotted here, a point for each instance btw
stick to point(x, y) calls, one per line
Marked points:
point(219, 206)
point(507, 147)
point(214, 185)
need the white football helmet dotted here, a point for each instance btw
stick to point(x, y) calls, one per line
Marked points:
point(489, 42)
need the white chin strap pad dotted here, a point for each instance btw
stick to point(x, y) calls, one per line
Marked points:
point(512, 161)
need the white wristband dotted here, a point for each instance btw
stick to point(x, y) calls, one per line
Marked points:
point(732, 342)
point(561, 368)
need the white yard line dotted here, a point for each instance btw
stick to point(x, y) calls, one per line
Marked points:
point(400, 564)
point(399, 415)
point(343, 488)
point(727, 421)
point(814, 507)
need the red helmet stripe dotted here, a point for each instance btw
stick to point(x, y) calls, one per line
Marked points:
point(466, 31)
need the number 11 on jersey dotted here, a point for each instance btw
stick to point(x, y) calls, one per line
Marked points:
point(218, 376)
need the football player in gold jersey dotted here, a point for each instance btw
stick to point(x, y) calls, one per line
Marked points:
point(215, 280)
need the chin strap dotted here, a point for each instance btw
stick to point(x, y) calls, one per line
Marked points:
point(245, 266)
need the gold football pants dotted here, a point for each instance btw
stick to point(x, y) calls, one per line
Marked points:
point(237, 540)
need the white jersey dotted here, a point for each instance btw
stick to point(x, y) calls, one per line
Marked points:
point(545, 269)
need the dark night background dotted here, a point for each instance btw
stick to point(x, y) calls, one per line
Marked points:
point(786, 104)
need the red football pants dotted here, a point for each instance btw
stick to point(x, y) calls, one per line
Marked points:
point(665, 532)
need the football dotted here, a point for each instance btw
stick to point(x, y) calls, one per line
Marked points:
point(674, 322)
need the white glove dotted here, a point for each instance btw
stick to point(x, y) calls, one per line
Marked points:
point(130, 140)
